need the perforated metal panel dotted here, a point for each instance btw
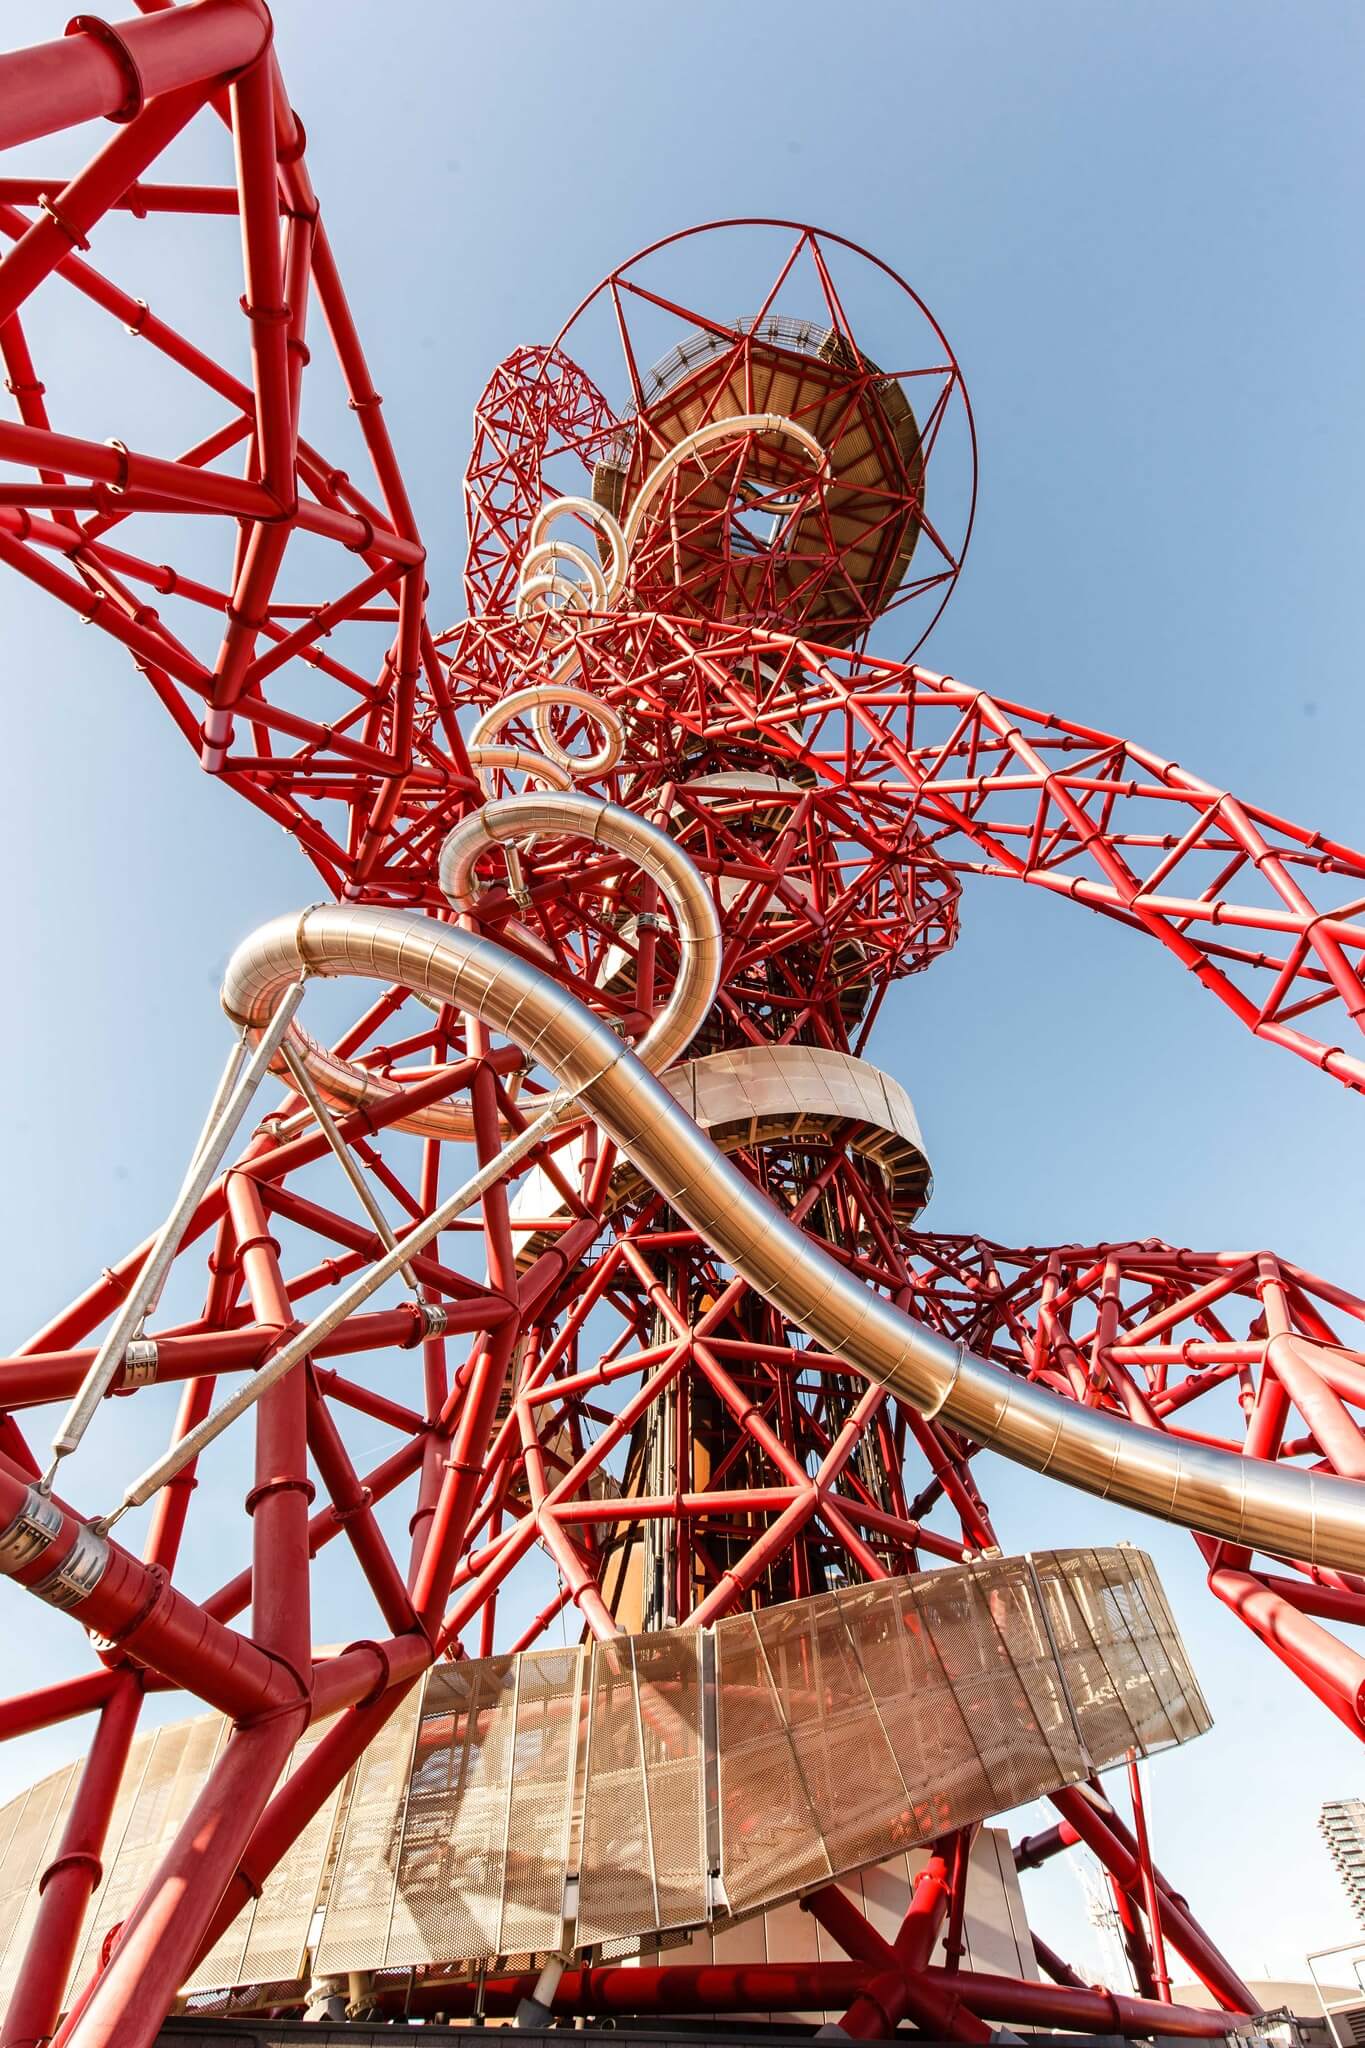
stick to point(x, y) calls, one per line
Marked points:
point(464, 1845)
point(450, 1847)
point(360, 1903)
point(174, 1764)
point(30, 1827)
point(643, 1857)
point(842, 1730)
point(859, 1722)
point(267, 1942)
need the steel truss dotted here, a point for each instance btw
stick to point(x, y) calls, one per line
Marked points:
point(599, 1419)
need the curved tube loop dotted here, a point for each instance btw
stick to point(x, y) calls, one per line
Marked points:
point(540, 699)
point(347, 1087)
point(652, 850)
point(572, 597)
point(518, 761)
point(703, 437)
point(538, 572)
point(594, 515)
point(1272, 1507)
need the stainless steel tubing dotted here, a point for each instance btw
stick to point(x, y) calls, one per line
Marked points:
point(345, 1086)
point(652, 850)
point(774, 423)
point(1270, 1506)
point(539, 699)
point(517, 761)
point(539, 550)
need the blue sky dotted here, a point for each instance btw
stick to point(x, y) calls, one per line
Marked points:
point(1139, 228)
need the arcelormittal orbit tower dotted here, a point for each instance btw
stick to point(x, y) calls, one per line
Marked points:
point(686, 1672)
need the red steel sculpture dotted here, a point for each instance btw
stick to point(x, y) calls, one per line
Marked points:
point(647, 1350)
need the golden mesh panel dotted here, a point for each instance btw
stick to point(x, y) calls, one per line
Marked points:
point(617, 1889)
point(841, 1748)
point(1185, 1703)
point(923, 1724)
point(356, 1928)
point(1097, 1670)
point(668, 1681)
point(222, 1967)
point(1016, 1611)
point(266, 1943)
point(33, 1823)
point(175, 1764)
point(771, 1845)
point(543, 1762)
point(451, 1855)
point(1132, 1651)
point(846, 1727)
point(1019, 1755)
point(964, 1754)
point(1104, 1726)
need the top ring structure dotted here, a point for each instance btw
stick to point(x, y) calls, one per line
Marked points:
point(806, 465)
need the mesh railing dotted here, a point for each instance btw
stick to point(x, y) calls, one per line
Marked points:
point(518, 1805)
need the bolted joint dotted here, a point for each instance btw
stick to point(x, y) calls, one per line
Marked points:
point(78, 1859)
point(62, 224)
point(284, 1482)
point(385, 1671)
point(30, 1532)
point(135, 96)
point(79, 1572)
point(364, 1499)
point(139, 1365)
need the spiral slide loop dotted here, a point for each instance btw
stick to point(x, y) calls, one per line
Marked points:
point(557, 768)
point(1291, 1512)
point(774, 423)
point(346, 1086)
point(542, 555)
point(653, 851)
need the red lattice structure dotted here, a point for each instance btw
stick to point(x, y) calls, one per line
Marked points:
point(590, 1411)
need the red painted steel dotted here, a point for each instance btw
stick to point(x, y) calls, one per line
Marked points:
point(613, 1429)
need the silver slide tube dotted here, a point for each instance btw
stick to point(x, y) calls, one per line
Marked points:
point(652, 851)
point(346, 1086)
point(540, 699)
point(773, 423)
point(1287, 1511)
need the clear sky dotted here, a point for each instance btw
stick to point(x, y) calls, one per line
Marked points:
point(1140, 228)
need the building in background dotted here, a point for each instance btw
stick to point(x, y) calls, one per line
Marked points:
point(1343, 1825)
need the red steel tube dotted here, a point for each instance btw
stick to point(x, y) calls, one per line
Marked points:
point(75, 208)
point(50, 1704)
point(101, 71)
point(127, 2003)
point(68, 1883)
point(136, 1608)
point(282, 1491)
point(32, 1381)
point(898, 1989)
point(1329, 1667)
point(355, 1512)
point(1106, 1841)
point(279, 1825)
point(1150, 1901)
point(787, 1987)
